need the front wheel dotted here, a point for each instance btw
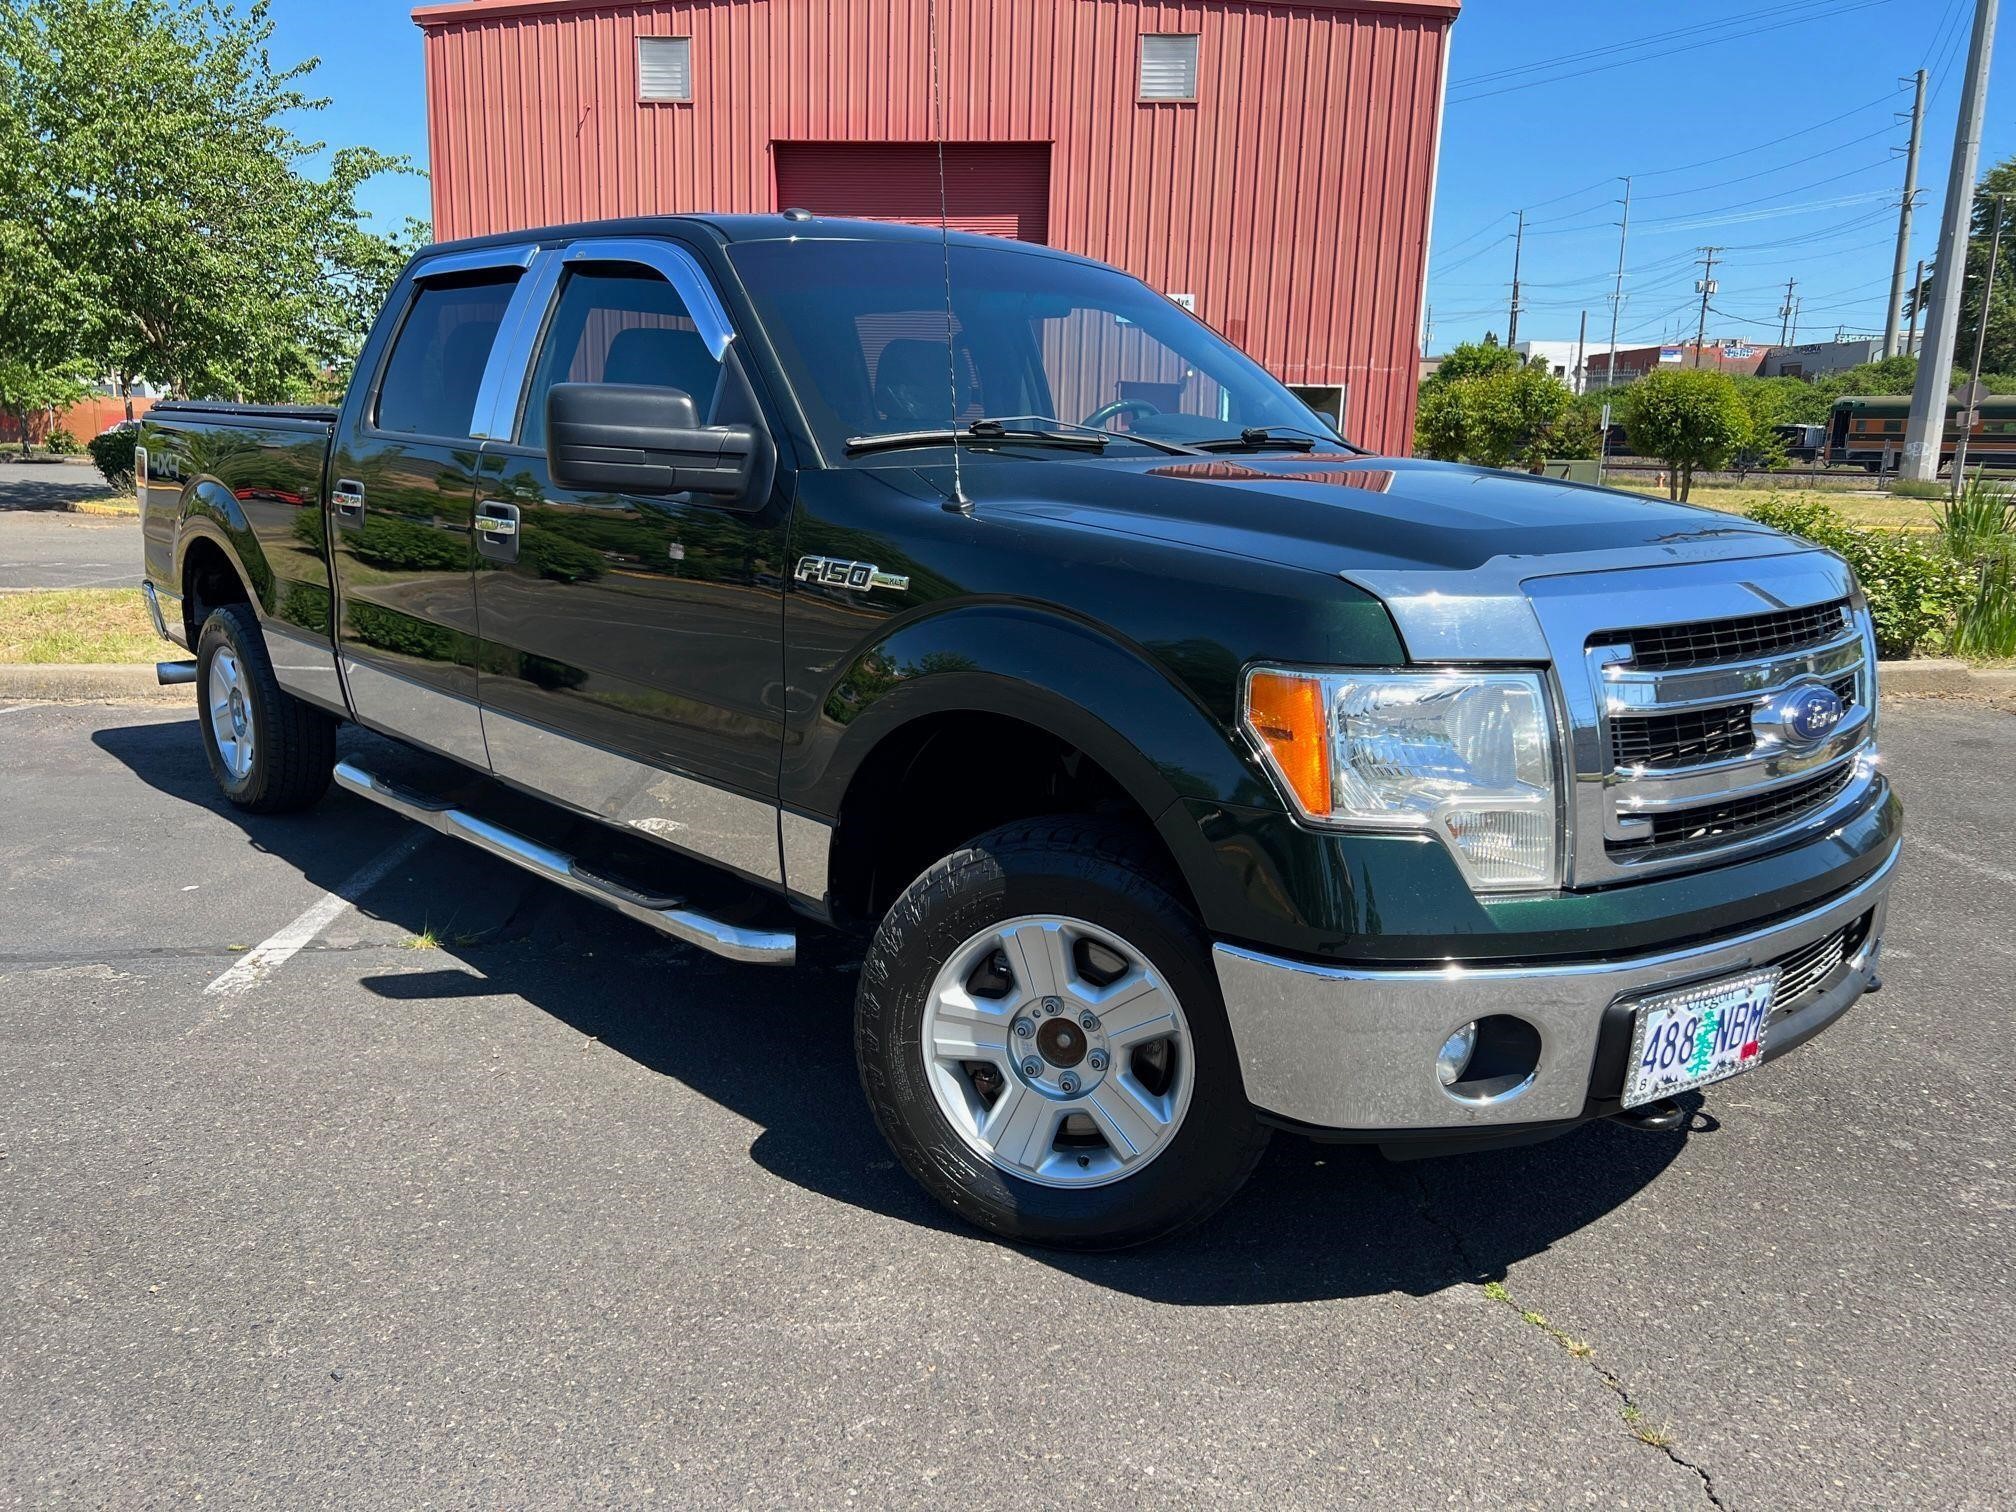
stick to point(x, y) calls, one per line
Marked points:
point(270, 752)
point(1043, 1043)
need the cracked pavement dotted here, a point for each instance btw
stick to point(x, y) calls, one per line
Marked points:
point(561, 1211)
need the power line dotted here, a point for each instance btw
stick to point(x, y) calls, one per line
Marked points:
point(1662, 53)
point(1654, 37)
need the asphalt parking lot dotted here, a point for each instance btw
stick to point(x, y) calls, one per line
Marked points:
point(42, 547)
point(551, 1209)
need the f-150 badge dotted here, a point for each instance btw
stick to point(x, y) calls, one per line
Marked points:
point(831, 572)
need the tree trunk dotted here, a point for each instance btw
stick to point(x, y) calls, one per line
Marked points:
point(1672, 481)
point(126, 392)
point(1686, 482)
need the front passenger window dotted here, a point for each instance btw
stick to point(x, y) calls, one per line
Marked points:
point(619, 324)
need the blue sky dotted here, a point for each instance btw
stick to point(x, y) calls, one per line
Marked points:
point(1786, 105)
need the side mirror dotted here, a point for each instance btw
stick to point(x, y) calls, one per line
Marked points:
point(630, 438)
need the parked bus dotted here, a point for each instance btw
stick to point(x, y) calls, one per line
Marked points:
point(1870, 431)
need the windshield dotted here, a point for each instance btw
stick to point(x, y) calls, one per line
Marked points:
point(862, 328)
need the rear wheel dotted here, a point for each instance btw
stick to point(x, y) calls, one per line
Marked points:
point(1041, 1036)
point(270, 752)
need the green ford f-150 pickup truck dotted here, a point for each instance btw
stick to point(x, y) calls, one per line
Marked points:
point(1196, 773)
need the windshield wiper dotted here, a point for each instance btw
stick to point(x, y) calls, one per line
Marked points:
point(1293, 437)
point(979, 430)
point(1049, 432)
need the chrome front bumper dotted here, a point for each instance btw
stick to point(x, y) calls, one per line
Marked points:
point(1336, 1047)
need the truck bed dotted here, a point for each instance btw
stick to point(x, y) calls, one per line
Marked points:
point(210, 410)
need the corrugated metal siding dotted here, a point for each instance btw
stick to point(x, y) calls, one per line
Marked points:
point(996, 188)
point(1291, 198)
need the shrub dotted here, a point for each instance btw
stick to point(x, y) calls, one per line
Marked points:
point(113, 452)
point(1979, 529)
point(61, 443)
point(1914, 591)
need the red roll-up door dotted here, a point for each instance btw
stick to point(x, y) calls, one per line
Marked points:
point(999, 188)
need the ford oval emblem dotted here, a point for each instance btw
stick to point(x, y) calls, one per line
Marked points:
point(1803, 715)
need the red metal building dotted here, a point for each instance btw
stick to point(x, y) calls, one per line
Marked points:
point(1271, 162)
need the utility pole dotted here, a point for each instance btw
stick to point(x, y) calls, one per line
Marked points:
point(1785, 314)
point(1581, 341)
point(1512, 322)
point(1617, 298)
point(1427, 329)
point(1927, 431)
point(1893, 316)
point(1972, 406)
point(1706, 286)
point(1911, 339)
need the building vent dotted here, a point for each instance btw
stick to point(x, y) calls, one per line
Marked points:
point(1168, 67)
point(665, 68)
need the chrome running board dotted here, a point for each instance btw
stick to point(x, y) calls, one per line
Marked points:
point(667, 915)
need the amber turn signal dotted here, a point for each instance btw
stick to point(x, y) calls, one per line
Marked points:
point(1284, 710)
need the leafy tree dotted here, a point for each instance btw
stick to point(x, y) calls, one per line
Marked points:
point(1688, 418)
point(1999, 355)
point(144, 149)
point(1513, 414)
point(1439, 423)
point(1474, 359)
point(27, 391)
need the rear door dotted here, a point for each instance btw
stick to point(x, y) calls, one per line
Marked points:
point(632, 644)
point(402, 486)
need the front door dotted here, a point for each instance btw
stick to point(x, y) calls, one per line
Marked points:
point(632, 644)
point(402, 492)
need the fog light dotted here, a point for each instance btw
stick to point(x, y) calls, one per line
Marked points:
point(1455, 1056)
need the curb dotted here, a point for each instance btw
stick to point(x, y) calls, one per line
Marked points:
point(101, 509)
point(119, 681)
point(1941, 676)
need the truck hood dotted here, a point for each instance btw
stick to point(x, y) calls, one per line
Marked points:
point(1353, 515)
point(1458, 555)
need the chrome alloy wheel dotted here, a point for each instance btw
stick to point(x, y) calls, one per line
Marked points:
point(230, 713)
point(1057, 1051)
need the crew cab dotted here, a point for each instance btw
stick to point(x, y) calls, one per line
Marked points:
point(1191, 772)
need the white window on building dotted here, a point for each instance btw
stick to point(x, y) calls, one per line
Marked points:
point(665, 68)
point(1169, 66)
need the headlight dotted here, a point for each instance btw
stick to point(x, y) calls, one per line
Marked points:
point(1468, 756)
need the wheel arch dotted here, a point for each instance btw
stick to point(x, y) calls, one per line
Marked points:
point(1060, 696)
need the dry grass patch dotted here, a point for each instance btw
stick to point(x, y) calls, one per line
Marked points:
point(72, 626)
point(1868, 510)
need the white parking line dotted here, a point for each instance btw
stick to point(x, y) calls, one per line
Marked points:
point(18, 709)
point(1961, 859)
point(274, 952)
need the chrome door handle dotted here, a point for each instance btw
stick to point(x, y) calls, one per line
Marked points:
point(348, 496)
point(497, 530)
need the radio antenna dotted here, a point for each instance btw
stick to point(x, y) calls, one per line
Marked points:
point(959, 501)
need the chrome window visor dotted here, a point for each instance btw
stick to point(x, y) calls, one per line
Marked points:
point(484, 260)
point(525, 321)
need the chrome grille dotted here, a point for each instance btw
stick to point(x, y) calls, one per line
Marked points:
point(1676, 754)
point(1736, 817)
point(1694, 736)
point(1745, 638)
point(1810, 965)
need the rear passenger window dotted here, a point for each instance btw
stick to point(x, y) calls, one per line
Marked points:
point(438, 357)
point(620, 324)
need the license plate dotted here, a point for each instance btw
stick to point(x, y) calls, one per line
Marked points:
point(1698, 1035)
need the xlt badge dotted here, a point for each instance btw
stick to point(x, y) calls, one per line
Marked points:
point(834, 573)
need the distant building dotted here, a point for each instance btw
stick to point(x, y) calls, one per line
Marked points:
point(1561, 357)
point(1737, 358)
point(1818, 357)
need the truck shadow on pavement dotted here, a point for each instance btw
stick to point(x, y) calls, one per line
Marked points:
point(1315, 1222)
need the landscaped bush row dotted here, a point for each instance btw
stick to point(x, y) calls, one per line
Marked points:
point(1951, 591)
